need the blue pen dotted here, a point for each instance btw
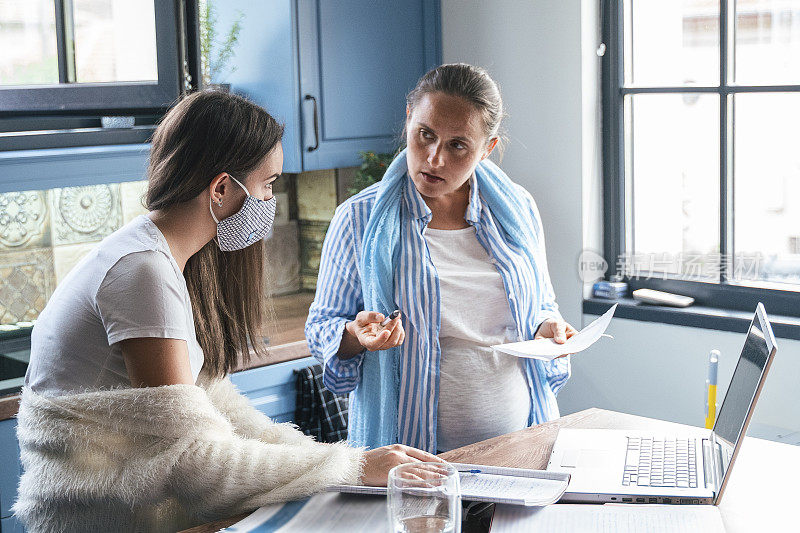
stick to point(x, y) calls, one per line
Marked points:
point(473, 471)
point(395, 314)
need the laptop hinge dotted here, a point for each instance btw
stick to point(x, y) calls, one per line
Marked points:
point(709, 466)
point(712, 464)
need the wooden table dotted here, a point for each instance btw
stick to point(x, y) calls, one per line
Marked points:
point(761, 494)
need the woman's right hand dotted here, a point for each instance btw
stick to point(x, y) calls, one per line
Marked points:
point(369, 333)
point(379, 461)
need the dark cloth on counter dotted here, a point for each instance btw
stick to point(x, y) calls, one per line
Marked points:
point(319, 413)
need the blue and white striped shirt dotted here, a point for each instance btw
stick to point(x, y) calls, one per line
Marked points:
point(339, 299)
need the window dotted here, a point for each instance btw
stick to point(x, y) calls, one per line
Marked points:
point(66, 63)
point(701, 106)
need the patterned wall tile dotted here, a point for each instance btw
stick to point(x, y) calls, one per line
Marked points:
point(24, 220)
point(282, 250)
point(284, 184)
point(281, 208)
point(312, 235)
point(316, 203)
point(316, 195)
point(344, 180)
point(132, 198)
point(67, 256)
point(27, 280)
point(85, 214)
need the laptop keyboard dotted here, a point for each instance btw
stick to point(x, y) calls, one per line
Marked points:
point(660, 462)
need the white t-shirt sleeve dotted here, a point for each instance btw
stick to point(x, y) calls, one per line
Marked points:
point(143, 295)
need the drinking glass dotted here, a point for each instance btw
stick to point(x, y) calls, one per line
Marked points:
point(424, 498)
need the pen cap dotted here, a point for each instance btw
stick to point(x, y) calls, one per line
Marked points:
point(713, 360)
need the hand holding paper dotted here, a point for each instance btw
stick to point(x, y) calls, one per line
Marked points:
point(547, 349)
point(556, 329)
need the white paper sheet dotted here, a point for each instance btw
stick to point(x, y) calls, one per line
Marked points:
point(518, 490)
point(547, 349)
point(329, 512)
point(613, 518)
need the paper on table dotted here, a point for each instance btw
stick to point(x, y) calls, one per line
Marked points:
point(329, 512)
point(525, 491)
point(632, 518)
point(547, 349)
point(518, 486)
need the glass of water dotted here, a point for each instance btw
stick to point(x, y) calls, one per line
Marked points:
point(424, 498)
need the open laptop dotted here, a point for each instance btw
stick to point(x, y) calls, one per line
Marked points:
point(691, 467)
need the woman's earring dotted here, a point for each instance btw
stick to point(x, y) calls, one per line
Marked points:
point(219, 203)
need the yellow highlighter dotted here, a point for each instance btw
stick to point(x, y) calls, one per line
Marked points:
point(711, 389)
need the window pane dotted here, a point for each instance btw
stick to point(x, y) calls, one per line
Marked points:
point(767, 42)
point(672, 43)
point(28, 42)
point(674, 168)
point(767, 187)
point(115, 40)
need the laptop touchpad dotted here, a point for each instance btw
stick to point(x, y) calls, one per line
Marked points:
point(569, 458)
point(576, 457)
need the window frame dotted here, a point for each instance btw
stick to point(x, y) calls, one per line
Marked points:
point(21, 131)
point(105, 98)
point(724, 294)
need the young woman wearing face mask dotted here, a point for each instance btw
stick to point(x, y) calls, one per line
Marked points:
point(127, 421)
point(449, 240)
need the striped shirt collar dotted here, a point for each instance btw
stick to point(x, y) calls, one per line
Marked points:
point(418, 209)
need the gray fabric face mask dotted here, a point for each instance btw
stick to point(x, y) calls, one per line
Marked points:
point(248, 225)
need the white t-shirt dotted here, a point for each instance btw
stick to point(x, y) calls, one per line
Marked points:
point(128, 286)
point(482, 393)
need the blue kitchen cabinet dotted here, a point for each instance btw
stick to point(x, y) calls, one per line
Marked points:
point(271, 389)
point(335, 72)
point(11, 525)
point(10, 470)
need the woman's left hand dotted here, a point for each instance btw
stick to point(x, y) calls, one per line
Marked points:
point(558, 330)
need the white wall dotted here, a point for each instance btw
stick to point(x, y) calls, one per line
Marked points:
point(533, 51)
point(542, 53)
point(659, 370)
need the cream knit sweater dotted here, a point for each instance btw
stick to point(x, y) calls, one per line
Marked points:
point(162, 458)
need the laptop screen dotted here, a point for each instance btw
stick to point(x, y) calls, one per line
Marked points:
point(744, 384)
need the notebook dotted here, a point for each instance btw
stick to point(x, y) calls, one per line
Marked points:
point(495, 484)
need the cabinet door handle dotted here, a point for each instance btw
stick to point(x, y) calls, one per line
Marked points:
point(316, 124)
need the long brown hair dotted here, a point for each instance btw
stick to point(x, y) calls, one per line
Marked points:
point(205, 134)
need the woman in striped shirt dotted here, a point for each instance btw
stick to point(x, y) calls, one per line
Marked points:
point(449, 240)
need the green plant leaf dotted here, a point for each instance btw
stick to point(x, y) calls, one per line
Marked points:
point(373, 167)
point(215, 55)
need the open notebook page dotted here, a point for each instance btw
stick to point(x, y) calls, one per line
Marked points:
point(495, 484)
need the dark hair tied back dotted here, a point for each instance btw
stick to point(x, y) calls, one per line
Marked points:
point(469, 82)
